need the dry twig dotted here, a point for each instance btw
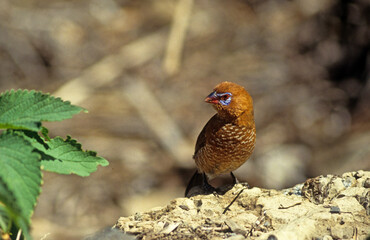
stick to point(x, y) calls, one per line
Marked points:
point(228, 206)
point(176, 39)
point(109, 68)
point(157, 119)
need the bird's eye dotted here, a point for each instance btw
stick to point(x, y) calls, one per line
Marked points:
point(225, 98)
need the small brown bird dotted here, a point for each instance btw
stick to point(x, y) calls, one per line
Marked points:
point(228, 138)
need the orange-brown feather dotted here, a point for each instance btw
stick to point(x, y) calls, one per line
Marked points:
point(228, 138)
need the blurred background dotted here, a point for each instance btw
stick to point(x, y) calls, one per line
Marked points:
point(143, 69)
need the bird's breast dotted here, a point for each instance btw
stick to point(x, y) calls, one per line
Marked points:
point(227, 148)
point(230, 136)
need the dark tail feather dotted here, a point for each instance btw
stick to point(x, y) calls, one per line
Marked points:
point(196, 180)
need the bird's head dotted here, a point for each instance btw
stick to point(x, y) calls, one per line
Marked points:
point(230, 100)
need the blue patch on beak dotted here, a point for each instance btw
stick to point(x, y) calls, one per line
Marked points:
point(212, 95)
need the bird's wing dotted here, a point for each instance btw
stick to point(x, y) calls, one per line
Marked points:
point(201, 140)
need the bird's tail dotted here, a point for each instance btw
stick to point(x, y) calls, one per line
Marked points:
point(196, 180)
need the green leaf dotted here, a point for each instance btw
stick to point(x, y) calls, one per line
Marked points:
point(20, 178)
point(23, 109)
point(8, 209)
point(7, 215)
point(70, 158)
point(37, 141)
point(45, 133)
point(62, 156)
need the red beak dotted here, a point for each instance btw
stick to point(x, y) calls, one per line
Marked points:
point(212, 98)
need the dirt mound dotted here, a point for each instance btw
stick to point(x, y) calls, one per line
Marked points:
point(325, 207)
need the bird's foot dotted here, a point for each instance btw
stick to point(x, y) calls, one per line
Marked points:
point(208, 188)
point(245, 184)
point(235, 180)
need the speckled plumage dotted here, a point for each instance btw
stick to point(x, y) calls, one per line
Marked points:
point(227, 146)
point(228, 138)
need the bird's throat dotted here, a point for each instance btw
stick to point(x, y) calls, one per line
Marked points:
point(245, 118)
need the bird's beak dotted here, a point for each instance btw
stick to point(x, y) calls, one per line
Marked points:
point(212, 98)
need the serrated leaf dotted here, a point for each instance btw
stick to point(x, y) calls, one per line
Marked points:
point(70, 158)
point(23, 109)
point(9, 208)
point(62, 156)
point(33, 138)
point(20, 175)
point(10, 212)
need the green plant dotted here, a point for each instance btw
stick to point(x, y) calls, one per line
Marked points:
point(26, 149)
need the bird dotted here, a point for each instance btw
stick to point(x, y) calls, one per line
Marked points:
point(228, 139)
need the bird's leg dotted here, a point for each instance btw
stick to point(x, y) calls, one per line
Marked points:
point(206, 186)
point(235, 180)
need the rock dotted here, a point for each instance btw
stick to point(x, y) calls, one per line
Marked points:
point(367, 183)
point(325, 207)
point(236, 237)
point(339, 232)
point(170, 227)
point(110, 234)
point(327, 237)
point(235, 228)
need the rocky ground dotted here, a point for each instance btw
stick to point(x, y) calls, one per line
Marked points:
point(325, 207)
